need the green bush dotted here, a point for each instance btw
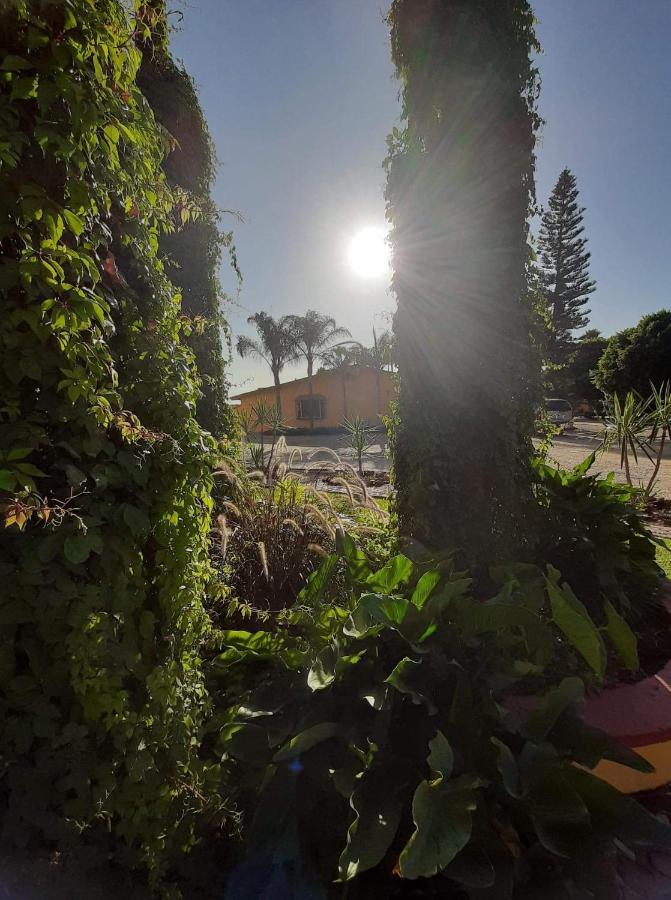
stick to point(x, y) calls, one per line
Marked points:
point(373, 740)
point(637, 357)
point(105, 473)
point(594, 534)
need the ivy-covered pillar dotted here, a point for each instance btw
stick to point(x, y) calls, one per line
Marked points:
point(459, 190)
point(194, 251)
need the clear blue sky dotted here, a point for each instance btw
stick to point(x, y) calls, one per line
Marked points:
point(300, 96)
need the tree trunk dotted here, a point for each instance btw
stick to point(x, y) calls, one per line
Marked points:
point(458, 191)
point(278, 391)
point(310, 391)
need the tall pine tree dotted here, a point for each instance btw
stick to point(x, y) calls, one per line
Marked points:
point(564, 263)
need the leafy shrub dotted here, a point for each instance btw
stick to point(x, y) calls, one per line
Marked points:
point(594, 534)
point(379, 732)
point(636, 357)
point(102, 695)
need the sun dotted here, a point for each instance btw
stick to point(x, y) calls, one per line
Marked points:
point(369, 252)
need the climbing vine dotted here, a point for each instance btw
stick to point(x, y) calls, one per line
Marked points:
point(193, 253)
point(104, 472)
point(460, 185)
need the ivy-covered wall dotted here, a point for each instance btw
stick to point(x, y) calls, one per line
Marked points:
point(194, 252)
point(105, 472)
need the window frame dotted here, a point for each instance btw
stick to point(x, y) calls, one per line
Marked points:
point(318, 399)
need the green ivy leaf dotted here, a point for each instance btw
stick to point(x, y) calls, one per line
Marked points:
point(24, 88)
point(136, 519)
point(77, 547)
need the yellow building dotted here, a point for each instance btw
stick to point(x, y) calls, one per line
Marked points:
point(337, 394)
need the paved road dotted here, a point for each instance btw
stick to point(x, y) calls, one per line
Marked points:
point(568, 449)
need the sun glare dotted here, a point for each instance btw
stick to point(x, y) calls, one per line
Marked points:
point(369, 253)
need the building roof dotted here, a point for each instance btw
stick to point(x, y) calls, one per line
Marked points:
point(321, 373)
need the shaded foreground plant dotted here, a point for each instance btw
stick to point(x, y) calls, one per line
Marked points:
point(593, 532)
point(375, 737)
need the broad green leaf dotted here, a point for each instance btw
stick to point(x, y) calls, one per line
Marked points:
point(15, 63)
point(541, 721)
point(357, 562)
point(424, 587)
point(374, 610)
point(318, 581)
point(378, 813)
point(622, 637)
point(440, 758)
point(616, 815)
point(249, 647)
point(507, 766)
point(409, 677)
point(574, 621)
point(560, 817)
point(74, 223)
point(306, 740)
point(442, 813)
point(398, 570)
point(588, 745)
point(17, 453)
point(323, 670)
point(584, 467)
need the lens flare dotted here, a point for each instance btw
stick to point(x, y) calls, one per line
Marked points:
point(369, 252)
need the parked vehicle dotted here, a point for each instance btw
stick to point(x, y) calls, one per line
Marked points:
point(559, 412)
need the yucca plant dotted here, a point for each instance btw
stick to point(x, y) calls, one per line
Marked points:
point(262, 418)
point(359, 438)
point(629, 426)
point(635, 425)
point(661, 428)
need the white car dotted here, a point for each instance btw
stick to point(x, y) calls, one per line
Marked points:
point(559, 412)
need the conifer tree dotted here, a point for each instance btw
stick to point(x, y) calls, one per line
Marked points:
point(564, 263)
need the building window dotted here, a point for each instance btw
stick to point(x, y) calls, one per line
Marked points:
point(310, 407)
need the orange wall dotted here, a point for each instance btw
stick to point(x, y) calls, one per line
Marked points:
point(348, 392)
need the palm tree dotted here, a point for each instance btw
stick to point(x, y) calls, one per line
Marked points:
point(275, 346)
point(314, 335)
